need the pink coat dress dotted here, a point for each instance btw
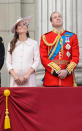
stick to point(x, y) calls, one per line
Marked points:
point(24, 56)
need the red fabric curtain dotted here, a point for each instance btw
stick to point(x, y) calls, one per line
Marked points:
point(43, 109)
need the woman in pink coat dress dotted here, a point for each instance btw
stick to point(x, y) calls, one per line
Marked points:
point(22, 56)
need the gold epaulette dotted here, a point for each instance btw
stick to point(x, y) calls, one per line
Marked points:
point(71, 66)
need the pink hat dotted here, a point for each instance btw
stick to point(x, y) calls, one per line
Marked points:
point(26, 20)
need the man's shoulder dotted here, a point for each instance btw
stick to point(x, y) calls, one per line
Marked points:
point(32, 40)
point(48, 33)
point(70, 33)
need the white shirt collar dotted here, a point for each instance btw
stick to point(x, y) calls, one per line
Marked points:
point(26, 41)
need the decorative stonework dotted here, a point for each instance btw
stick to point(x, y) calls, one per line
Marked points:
point(78, 74)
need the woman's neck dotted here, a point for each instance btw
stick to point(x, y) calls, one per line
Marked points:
point(22, 37)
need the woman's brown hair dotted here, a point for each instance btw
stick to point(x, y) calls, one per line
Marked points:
point(14, 40)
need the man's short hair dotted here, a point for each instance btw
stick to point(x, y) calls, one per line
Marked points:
point(54, 13)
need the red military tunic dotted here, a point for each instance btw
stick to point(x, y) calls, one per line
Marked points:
point(67, 58)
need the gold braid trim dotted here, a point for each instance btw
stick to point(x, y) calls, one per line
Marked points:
point(49, 49)
point(54, 66)
point(51, 44)
point(71, 66)
point(54, 43)
point(58, 32)
point(61, 43)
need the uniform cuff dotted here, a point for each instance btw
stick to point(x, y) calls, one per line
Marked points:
point(71, 67)
point(34, 67)
point(55, 67)
point(10, 68)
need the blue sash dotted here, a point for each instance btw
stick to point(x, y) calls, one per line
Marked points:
point(64, 37)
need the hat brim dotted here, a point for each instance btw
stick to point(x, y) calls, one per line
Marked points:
point(26, 20)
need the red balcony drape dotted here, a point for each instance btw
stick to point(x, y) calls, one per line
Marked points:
point(43, 109)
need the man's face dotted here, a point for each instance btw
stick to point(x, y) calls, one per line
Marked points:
point(57, 20)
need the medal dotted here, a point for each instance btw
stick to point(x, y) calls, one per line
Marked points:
point(68, 47)
point(67, 39)
point(68, 54)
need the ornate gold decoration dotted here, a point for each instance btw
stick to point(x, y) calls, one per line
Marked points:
point(54, 66)
point(7, 120)
point(71, 66)
point(51, 44)
point(58, 32)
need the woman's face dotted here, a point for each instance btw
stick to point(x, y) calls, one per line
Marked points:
point(21, 27)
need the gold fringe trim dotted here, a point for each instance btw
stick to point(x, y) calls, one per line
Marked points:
point(7, 119)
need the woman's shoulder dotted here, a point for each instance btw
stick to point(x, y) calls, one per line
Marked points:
point(32, 41)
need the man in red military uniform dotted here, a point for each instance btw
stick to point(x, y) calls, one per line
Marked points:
point(59, 51)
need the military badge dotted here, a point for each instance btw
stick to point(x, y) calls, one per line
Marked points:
point(67, 39)
point(68, 54)
point(68, 47)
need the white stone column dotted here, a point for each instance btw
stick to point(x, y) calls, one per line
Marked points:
point(44, 16)
point(69, 15)
point(39, 19)
point(74, 16)
point(79, 25)
point(49, 10)
point(64, 13)
point(79, 32)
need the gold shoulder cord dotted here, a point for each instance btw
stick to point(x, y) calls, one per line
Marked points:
point(54, 43)
point(50, 44)
point(61, 41)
